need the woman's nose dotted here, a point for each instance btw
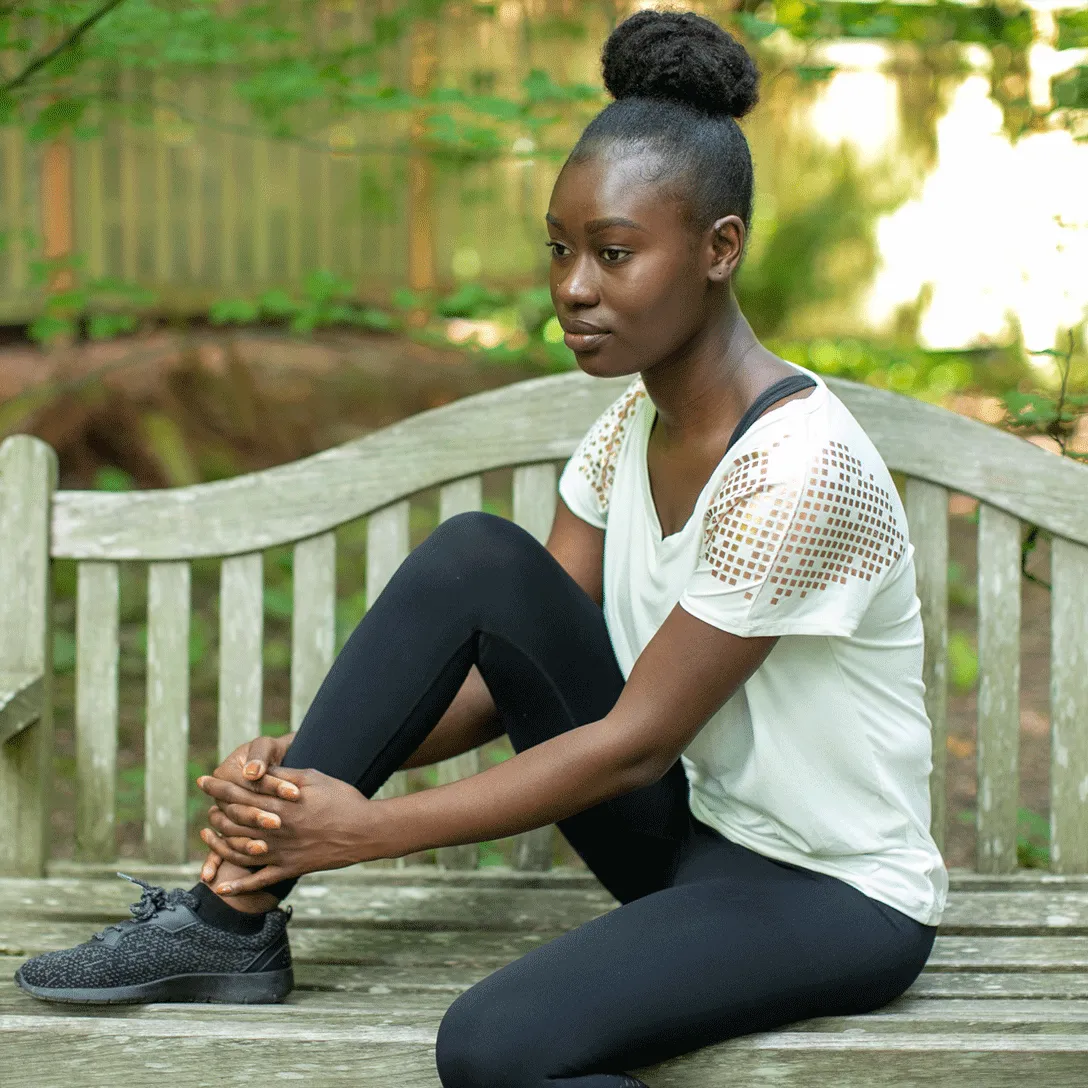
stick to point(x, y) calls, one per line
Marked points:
point(576, 285)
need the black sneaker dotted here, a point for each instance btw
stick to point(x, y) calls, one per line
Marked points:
point(166, 953)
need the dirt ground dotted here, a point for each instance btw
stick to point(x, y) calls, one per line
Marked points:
point(237, 402)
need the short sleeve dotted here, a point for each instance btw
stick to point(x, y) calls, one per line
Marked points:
point(795, 542)
point(586, 482)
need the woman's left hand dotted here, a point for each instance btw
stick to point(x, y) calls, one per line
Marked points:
point(330, 825)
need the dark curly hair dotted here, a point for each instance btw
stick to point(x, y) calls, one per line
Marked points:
point(679, 82)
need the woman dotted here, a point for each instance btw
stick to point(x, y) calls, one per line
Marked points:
point(711, 676)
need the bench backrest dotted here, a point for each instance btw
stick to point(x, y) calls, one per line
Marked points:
point(530, 426)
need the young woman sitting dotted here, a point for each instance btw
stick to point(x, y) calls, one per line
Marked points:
point(711, 675)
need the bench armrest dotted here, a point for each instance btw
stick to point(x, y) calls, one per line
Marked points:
point(20, 702)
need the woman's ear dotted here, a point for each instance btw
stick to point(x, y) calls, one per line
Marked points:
point(726, 247)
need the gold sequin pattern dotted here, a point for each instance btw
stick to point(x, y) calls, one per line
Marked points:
point(598, 452)
point(841, 525)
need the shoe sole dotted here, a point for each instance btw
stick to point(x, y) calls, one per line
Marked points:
point(258, 988)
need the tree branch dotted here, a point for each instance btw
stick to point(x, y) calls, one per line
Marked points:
point(75, 34)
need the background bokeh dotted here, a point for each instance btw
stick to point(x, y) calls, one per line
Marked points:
point(235, 233)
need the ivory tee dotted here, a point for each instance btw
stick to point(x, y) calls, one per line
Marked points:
point(822, 758)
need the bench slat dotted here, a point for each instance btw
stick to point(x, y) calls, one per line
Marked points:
point(998, 690)
point(459, 498)
point(166, 746)
point(241, 637)
point(97, 655)
point(534, 510)
point(542, 419)
point(28, 475)
point(313, 620)
point(927, 517)
point(1069, 707)
point(387, 544)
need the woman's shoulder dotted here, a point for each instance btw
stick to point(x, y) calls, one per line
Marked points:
point(598, 453)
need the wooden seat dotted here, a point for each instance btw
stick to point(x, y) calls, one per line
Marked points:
point(382, 950)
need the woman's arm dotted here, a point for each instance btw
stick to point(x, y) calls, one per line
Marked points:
point(681, 678)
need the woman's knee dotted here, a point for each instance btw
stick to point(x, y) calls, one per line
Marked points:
point(477, 1047)
point(473, 549)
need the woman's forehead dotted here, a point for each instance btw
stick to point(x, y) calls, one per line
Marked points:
point(614, 184)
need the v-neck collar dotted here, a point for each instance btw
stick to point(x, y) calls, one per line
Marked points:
point(640, 450)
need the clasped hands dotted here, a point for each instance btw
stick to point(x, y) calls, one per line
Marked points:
point(291, 823)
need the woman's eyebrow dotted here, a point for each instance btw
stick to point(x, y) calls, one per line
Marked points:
point(594, 226)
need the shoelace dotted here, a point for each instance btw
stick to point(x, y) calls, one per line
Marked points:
point(152, 900)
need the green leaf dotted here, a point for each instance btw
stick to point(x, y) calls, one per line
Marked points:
point(1030, 409)
point(107, 326)
point(111, 478)
point(277, 304)
point(814, 73)
point(233, 311)
point(56, 118)
point(754, 27)
point(46, 328)
point(278, 603)
point(962, 661)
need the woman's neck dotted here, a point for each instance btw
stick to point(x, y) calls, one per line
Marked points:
point(705, 390)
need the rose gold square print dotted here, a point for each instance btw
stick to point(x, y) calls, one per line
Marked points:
point(597, 455)
point(840, 525)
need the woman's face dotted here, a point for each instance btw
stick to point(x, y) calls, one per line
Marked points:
point(629, 277)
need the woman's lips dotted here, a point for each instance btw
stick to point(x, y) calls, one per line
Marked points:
point(579, 342)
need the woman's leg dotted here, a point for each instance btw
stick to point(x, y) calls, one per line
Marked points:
point(739, 944)
point(479, 590)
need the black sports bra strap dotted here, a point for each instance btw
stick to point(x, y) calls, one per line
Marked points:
point(771, 395)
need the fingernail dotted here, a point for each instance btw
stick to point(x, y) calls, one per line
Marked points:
point(289, 792)
point(206, 874)
point(224, 889)
point(254, 768)
point(257, 848)
point(268, 820)
point(200, 782)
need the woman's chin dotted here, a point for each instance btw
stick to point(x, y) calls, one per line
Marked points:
point(600, 364)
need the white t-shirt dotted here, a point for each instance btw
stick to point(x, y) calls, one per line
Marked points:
point(822, 758)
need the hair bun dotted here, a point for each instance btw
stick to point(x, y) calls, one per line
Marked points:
point(681, 57)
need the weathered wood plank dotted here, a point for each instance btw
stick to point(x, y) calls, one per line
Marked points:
point(443, 907)
point(313, 620)
point(425, 947)
point(534, 510)
point(459, 497)
point(131, 1050)
point(998, 766)
point(166, 744)
point(241, 637)
point(1069, 707)
point(440, 983)
point(566, 876)
point(489, 430)
point(927, 518)
point(28, 475)
point(387, 544)
point(97, 657)
point(809, 1059)
point(20, 702)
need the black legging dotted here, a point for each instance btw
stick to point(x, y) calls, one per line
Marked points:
point(712, 940)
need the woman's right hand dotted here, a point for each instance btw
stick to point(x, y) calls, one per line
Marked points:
point(249, 763)
point(248, 766)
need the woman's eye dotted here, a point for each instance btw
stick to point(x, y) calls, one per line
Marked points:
point(557, 248)
point(610, 254)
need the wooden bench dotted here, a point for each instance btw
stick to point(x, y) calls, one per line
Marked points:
point(382, 950)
